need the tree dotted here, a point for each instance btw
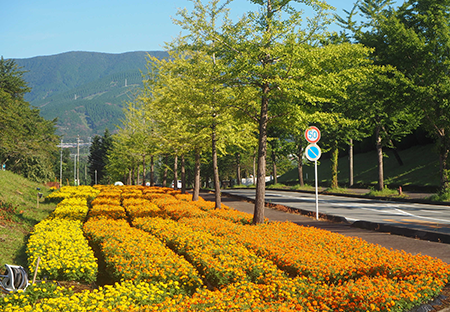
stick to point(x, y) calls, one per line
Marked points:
point(415, 39)
point(98, 158)
point(11, 79)
point(269, 51)
point(186, 120)
point(28, 141)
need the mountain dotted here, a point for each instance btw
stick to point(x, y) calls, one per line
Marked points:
point(86, 91)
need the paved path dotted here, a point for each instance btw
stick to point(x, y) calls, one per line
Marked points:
point(411, 245)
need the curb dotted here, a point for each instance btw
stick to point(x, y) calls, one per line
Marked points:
point(403, 231)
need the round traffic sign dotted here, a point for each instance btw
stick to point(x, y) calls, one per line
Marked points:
point(313, 152)
point(312, 134)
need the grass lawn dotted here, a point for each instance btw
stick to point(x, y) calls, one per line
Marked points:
point(18, 215)
point(420, 168)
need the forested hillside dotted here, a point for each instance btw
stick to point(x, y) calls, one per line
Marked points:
point(84, 90)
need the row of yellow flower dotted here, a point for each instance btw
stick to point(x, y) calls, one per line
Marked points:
point(125, 296)
point(84, 191)
point(133, 254)
point(71, 208)
point(60, 243)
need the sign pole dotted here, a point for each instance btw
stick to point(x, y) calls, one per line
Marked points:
point(313, 153)
point(317, 192)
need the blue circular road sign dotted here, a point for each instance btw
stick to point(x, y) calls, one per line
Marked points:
point(313, 152)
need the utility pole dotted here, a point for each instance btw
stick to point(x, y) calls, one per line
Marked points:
point(75, 169)
point(60, 165)
point(78, 160)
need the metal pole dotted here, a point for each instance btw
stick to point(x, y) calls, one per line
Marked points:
point(60, 165)
point(75, 169)
point(317, 192)
point(78, 160)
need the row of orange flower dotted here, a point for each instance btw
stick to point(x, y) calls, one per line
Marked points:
point(348, 273)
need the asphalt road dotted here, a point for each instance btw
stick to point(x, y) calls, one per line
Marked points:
point(424, 217)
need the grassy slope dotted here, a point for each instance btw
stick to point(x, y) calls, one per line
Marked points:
point(19, 194)
point(420, 168)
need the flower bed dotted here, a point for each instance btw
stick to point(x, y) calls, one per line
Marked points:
point(346, 270)
point(59, 240)
point(132, 254)
point(64, 251)
point(222, 261)
point(271, 267)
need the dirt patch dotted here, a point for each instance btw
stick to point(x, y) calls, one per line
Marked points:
point(78, 287)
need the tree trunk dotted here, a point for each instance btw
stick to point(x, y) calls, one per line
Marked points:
point(133, 175)
point(129, 177)
point(183, 175)
point(380, 160)
point(397, 156)
point(254, 169)
point(394, 150)
point(238, 169)
point(215, 169)
point(152, 171)
point(258, 215)
point(350, 163)
point(166, 164)
point(143, 170)
point(175, 173)
point(138, 176)
point(196, 192)
point(300, 165)
point(274, 167)
point(334, 165)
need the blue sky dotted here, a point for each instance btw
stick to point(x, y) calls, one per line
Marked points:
point(46, 27)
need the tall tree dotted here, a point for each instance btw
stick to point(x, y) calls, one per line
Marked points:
point(98, 158)
point(415, 39)
point(274, 52)
point(186, 121)
point(28, 143)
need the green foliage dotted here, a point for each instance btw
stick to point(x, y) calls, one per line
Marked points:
point(98, 158)
point(27, 141)
point(11, 79)
point(386, 192)
point(415, 39)
point(440, 196)
point(276, 186)
point(417, 170)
